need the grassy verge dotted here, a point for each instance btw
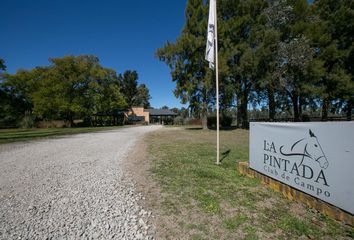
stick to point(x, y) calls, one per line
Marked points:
point(200, 200)
point(14, 135)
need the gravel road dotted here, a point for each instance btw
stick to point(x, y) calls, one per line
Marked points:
point(72, 188)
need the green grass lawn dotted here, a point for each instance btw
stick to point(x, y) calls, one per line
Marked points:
point(14, 135)
point(200, 200)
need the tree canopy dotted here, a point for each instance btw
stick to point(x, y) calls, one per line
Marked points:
point(134, 94)
point(71, 87)
point(185, 57)
point(288, 55)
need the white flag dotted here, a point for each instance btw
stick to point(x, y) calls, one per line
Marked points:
point(210, 48)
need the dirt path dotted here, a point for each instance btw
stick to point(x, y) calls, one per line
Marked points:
point(72, 187)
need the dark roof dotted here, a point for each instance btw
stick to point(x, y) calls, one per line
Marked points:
point(160, 112)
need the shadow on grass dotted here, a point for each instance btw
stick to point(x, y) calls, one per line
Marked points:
point(194, 128)
point(224, 128)
point(213, 128)
point(225, 155)
point(15, 135)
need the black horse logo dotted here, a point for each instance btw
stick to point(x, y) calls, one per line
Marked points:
point(310, 148)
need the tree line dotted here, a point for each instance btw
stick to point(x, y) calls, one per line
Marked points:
point(287, 56)
point(71, 87)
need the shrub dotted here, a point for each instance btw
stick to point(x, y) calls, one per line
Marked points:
point(168, 121)
point(211, 122)
point(192, 121)
point(305, 118)
point(28, 121)
point(178, 120)
point(226, 121)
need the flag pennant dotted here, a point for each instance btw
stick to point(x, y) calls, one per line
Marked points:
point(210, 47)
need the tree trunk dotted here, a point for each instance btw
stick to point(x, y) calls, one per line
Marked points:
point(325, 105)
point(295, 100)
point(244, 104)
point(271, 101)
point(239, 114)
point(70, 119)
point(349, 109)
point(204, 116)
point(301, 104)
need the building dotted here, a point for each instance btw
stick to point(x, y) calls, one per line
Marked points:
point(153, 116)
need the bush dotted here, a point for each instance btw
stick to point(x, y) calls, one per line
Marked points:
point(87, 122)
point(28, 121)
point(168, 121)
point(178, 120)
point(192, 121)
point(225, 121)
point(305, 118)
point(211, 122)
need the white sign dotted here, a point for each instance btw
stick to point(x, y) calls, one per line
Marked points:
point(316, 158)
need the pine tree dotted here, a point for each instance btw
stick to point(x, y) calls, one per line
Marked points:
point(129, 84)
point(239, 61)
point(335, 43)
point(185, 58)
point(143, 96)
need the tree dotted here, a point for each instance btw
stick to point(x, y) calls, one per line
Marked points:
point(15, 97)
point(2, 64)
point(134, 94)
point(175, 110)
point(184, 113)
point(185, 58)
point(106, 91)
point(63, 91)
point(72, 87)
point(274, 20)
point(76, 87)
point(283, 52)
point(334, 41)
point(239, 24)
point(129, 85)
point(143, 96)
point(295, 58)
point(287, 54)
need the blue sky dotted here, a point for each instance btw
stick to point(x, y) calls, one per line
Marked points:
point(123, 34)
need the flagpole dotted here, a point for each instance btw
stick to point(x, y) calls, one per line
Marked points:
point(217, 88)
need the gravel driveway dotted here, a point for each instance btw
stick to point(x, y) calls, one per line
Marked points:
point(72, 188)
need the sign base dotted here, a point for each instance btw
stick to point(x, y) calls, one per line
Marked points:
point(296, 195)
